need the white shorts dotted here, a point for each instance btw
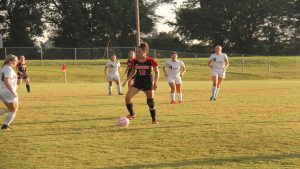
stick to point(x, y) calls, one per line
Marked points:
point(7, 97)
point(176, 79)
point(113, 77)
point(218, 72)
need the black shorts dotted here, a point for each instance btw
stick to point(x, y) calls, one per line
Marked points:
point(22, 75)
point(143, 83)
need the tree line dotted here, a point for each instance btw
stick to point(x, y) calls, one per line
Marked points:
point(241, 26)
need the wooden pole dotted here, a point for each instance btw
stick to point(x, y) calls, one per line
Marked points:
point(137, 16)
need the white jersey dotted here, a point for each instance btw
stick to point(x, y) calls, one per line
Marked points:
point(113, 67)
point(218, 60)
point(174, 68)
point(7, 71)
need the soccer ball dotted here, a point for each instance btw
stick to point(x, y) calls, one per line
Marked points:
point(123, 122)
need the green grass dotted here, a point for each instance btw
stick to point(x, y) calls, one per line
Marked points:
point(254, 124)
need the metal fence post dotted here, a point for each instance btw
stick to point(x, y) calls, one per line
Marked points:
point(269, 74)
point(154, 53)
point(42, 57)
point(243, 64)
point(75, 53)
point(5, 52)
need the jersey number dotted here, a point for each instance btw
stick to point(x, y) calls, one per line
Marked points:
point(142, 72)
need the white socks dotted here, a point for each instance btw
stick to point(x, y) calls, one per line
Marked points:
point(217, 92)
point(213, 91)
point(119, 88)
point(110, 89)
point(172, 96)
point(179, 95)
point(9, 118)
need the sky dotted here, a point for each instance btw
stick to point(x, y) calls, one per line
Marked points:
point(167, 12)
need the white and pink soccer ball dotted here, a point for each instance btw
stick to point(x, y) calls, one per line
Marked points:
point(123, 122)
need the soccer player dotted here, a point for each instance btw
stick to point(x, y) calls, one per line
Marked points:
point(8, 89)
point(111, 71)
point(22, 72)
point(218, 62)
point(141, 69)
point(174, 70)
point(127, 72)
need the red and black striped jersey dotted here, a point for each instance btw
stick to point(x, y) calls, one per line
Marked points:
point(143, 68)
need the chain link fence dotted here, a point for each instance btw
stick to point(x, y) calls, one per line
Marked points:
point(249, 66)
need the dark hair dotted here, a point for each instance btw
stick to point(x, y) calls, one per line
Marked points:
point(144, 46)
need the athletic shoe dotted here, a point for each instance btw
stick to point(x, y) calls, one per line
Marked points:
point(6, 128)
point(173, 102)
point(155, 122)
point(120, 93)
point(109, 93)
point(211, 98)
point(130, 117)
point(214, 99)
point(179, 101)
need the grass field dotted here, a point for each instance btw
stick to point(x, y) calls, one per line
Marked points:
point(254, 124)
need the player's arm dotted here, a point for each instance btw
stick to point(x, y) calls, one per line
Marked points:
point(132, 73)
point(226, 64)
point(165, 70)
point(119, 68)
point(7, 83)
point(156, 76)
point(105, 70)
point(183, 70)
point(210, 64)
point(126, 70)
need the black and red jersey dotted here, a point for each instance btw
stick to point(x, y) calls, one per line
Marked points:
point(22, 67)
point(143, 68)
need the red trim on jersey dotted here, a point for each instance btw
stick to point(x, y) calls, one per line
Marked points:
point(153, 62)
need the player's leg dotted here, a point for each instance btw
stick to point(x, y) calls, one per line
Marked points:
point(178, 84)
point(118, 86)
point(109, 87)
point(220, 79)
point(12, 110)
point(172, 93)
point(129, 95)
point(19, 80)
point(27, 84)
point(214, 87)
point(151, 104)
point(130, 83)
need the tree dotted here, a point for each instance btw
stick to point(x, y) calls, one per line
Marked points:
point(21, 21)
point(247, 26)
point(90, 23)
point(166, 41)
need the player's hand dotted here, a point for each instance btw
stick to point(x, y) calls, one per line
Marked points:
point(15, 94)
point(154, 86)
point(124, 84)
point(224, 68)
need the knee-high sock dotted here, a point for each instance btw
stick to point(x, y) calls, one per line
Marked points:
point(9, 118)
point(172, 96)
point(179, 95)
point(130, 109)
point(152, 110)
point(28, 88)
point(217, 92)
point(119, 88)
point(213, 91)
point(109, 89)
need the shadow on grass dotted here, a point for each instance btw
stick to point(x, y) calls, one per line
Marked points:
point(66, 121)
point(212, 161)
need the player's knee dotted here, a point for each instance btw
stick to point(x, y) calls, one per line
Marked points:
point(151, 104)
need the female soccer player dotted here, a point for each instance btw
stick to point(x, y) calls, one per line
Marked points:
point(8, 89)
point(174, 70)
point(141, 68)
point(22, 72)
point(114, 68)
point(128, 68)
point(218, 62)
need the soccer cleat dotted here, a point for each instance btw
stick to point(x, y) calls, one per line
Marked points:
point(109, 93)
point(5, 128)
point(155, 122)
point(179, 101)
point(172, 102)
point(130, 117)
point(211, 98)
point(214, 99)
point(120, 93)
